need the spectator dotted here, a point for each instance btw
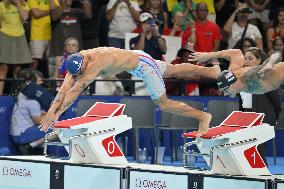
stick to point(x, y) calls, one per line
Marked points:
point(236, 28)
point(224, 9)
point(187, 7)
point(71, 46)
point(40, 29)
point(207, 33)
point(277, 46)
point(155, 8)
point(122, 15)
point(208, 38)
point(67, 23)
point(177, 22)
point(247, 43)
point(211, 9)
point(91, 26)
point(277, 28)
point(149, 40)
point(26, 117)
point(14, 49)
point(260, 13)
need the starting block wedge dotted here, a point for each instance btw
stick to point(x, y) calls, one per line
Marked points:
point(231, 147)
point(91, 137)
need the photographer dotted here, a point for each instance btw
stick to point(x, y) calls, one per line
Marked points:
point(27, 115)
point(149, 40)
point(241, 28)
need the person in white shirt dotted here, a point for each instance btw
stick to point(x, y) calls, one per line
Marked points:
point(236, 28)
point(122, 15)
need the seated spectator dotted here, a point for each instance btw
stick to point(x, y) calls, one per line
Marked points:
point(26, 117)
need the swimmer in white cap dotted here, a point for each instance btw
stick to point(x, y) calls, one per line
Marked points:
point(85, 66)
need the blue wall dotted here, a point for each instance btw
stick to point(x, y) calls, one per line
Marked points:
point(7, 102)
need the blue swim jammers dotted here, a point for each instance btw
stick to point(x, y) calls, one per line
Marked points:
point(151, 71)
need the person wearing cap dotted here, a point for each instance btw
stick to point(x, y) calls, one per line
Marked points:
point(241, 77)
point(149, 39)
point(85, 66)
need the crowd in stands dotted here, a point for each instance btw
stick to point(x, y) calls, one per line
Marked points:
point(40, 34)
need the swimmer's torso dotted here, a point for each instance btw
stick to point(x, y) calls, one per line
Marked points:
point(118, 59)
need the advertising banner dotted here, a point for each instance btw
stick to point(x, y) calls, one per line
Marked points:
point(24, 175)
point(151, 180)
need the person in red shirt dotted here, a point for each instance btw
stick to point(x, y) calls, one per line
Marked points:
point(207, 33)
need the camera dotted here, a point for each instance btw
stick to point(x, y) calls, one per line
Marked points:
point(153, 21)
point(245, 11)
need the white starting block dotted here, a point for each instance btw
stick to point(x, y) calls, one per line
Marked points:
point(91, 138)
point(231, 147)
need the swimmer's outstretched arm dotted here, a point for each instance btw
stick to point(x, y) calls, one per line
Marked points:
point(273, 59)
point(50, 117)
point(72, 94)
point(65, 102)
point(235, 56)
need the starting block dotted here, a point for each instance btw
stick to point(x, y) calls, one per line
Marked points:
point(231, 147)
point(91, 137)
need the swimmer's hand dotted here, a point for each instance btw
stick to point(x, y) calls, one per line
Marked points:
point(199, 57)
point(273, 59)
point(48, 121)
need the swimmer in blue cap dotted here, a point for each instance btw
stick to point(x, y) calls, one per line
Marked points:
point(73, 64)
point(88, 64)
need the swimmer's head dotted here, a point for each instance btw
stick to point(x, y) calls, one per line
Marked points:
point(73, 63)
point(258, 53)
point(225, 80)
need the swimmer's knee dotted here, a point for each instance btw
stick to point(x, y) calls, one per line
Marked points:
point(162, 104)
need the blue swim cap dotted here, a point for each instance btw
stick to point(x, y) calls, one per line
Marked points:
point(73, 63)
